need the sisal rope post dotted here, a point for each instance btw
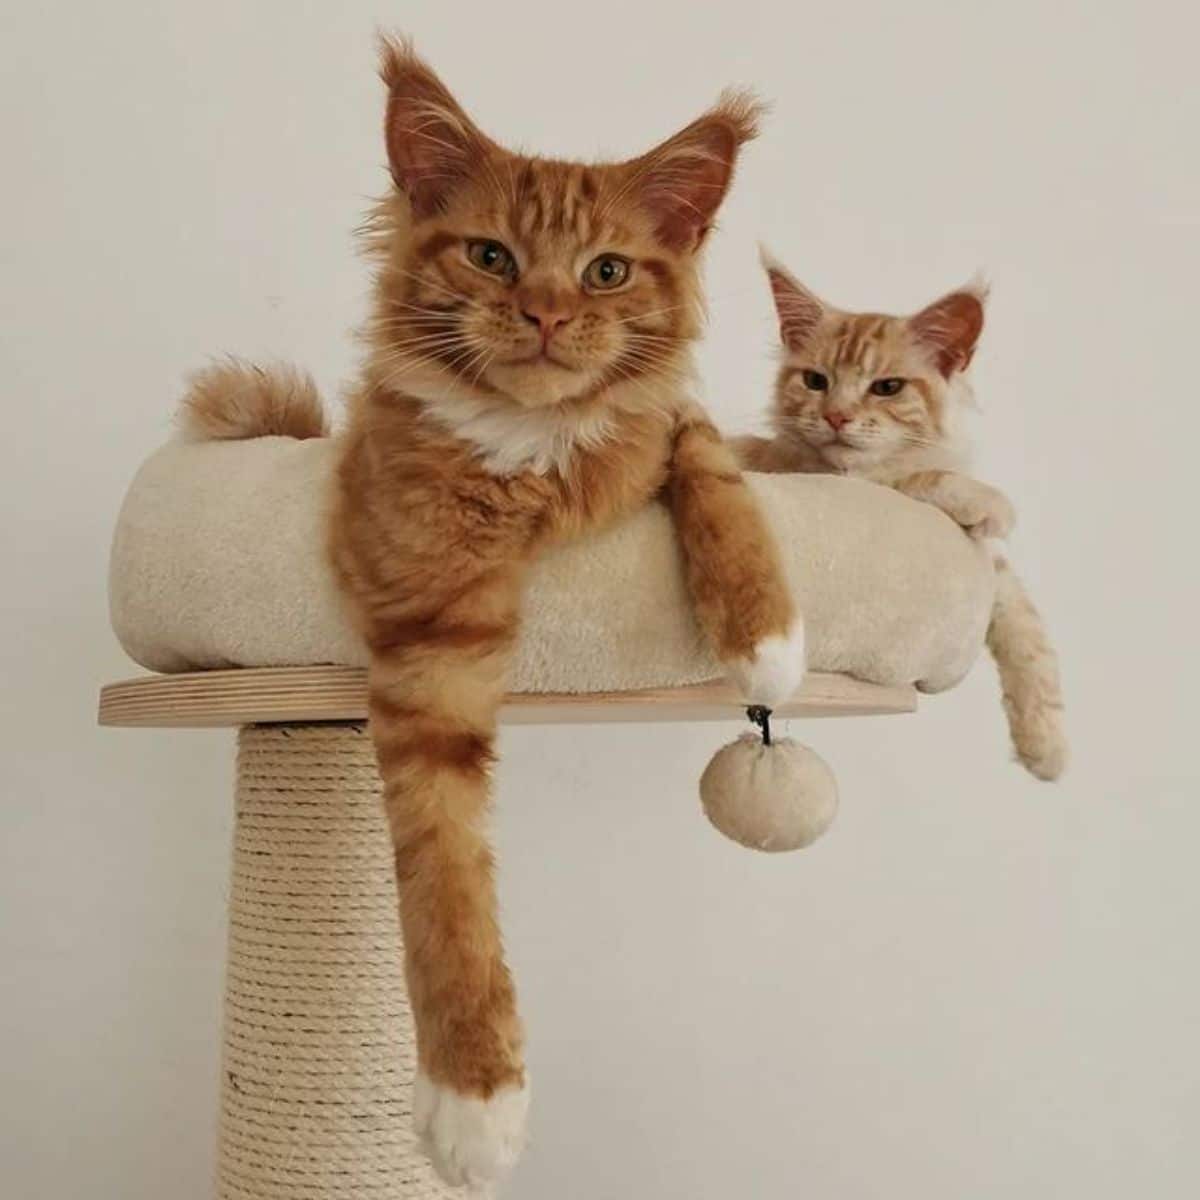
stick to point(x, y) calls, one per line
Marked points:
point(319, 1050)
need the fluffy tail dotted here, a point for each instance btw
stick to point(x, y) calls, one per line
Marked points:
point(1029, 679)
point(235, 399)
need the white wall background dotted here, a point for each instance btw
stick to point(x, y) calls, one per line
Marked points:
point(976, 985)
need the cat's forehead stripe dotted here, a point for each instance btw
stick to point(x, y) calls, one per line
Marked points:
point(552, 198)
point(858, 341)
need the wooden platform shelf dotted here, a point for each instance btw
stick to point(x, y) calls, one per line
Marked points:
point(298, 694)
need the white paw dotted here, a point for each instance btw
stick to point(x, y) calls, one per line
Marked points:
point(470, 1141)
point(774, 673)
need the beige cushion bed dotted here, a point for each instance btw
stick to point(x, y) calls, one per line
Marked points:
point(218, 561)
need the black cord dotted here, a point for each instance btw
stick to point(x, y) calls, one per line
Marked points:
point(760, 715)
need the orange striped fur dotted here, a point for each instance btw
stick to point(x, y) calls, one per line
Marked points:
point(829, 417)
point(509, 400)
point(513, 396)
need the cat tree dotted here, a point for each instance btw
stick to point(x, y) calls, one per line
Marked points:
point(319, 1054)
point(217, 564)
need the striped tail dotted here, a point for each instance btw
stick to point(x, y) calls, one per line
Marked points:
point(1029, 678)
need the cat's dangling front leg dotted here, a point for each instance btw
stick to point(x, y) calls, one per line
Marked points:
point(435, 686)
point(982, 510)
point(733, 568)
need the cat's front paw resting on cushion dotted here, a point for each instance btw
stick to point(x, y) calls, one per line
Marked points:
point(982, 510)
point(775, 669)
point(472, 1142)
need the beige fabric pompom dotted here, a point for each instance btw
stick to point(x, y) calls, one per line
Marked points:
point(777, 797)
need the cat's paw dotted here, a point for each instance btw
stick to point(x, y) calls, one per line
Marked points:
point(774, 671)
point(983, 511)
point(472, 1142)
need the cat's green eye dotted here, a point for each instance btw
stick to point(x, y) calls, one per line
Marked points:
point(886, 387)
point(606, 272)
point(492, 257)
point(815, 381)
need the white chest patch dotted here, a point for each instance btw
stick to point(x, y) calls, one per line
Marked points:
point(509, 439)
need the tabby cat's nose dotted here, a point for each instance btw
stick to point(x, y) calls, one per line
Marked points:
point(835, 420)
point(548, 318)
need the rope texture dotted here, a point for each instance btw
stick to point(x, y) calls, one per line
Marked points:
point(319, 1049)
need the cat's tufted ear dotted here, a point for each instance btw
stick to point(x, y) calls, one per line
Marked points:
point(799, 311)
point(683, 181)
point(432, 144)
point(950, 327)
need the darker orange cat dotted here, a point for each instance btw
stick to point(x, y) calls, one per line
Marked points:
point(526, 382)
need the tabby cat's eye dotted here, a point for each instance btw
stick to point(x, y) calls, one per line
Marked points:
point(886, 387)
point(815, 381)
point(492, 257)
point(606, 272)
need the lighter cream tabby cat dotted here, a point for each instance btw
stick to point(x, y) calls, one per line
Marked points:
point(883, 398)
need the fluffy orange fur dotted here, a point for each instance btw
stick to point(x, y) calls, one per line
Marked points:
point(884, 398)
point(525, 382)
point(235, 399)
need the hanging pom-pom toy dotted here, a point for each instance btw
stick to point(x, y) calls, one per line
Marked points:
point(768, 793)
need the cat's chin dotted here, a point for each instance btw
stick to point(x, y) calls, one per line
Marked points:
point(541, 384)
point(842, 458)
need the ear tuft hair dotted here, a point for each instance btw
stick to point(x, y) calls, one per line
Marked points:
point(397, 55)
point(743, 111)
point(978, 286)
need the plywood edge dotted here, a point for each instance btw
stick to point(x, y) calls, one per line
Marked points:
point(298, 694)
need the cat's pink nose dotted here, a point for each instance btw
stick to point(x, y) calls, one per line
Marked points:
point(549, 318)
point(835, 420)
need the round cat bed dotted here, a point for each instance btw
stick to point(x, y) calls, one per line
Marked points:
point(218, 582)
point(218, 562)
